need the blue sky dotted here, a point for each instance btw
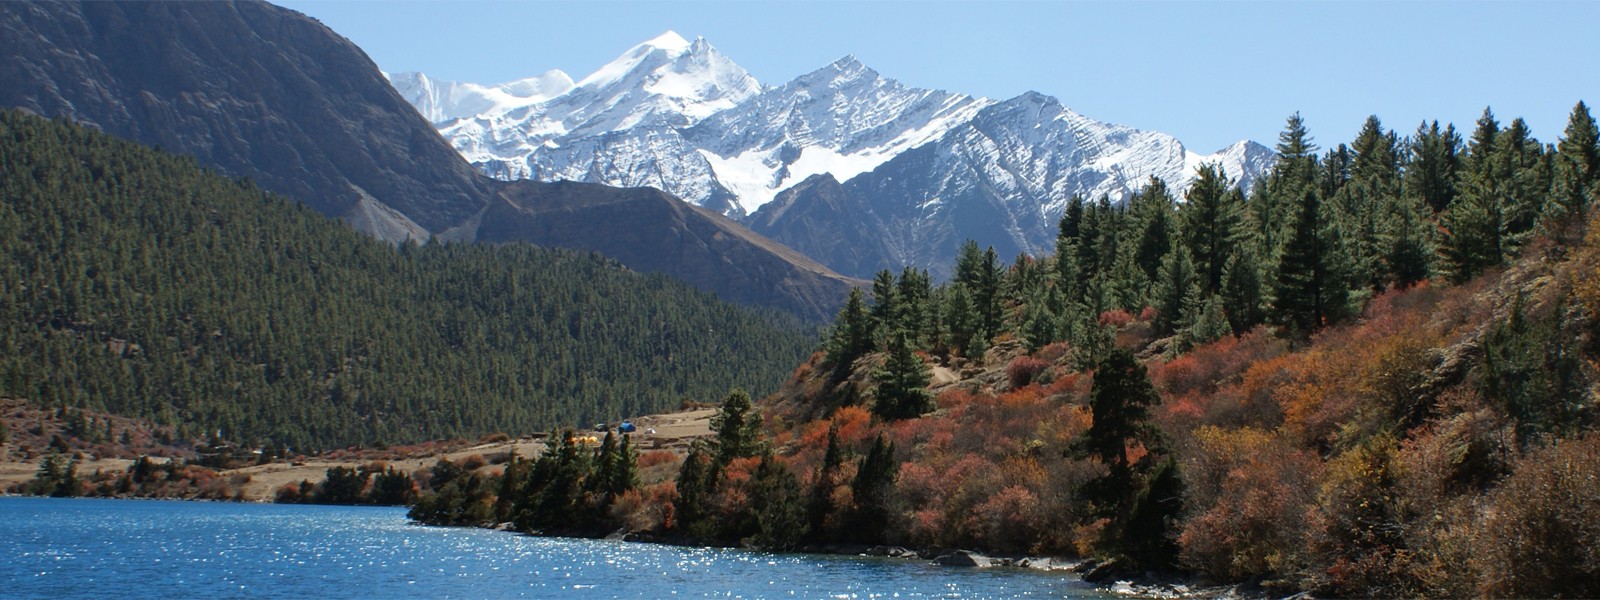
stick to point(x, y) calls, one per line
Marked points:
point(1208, 73)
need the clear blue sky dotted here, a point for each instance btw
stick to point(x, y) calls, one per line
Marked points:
point(1208, 73)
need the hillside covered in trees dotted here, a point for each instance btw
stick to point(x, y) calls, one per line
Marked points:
point(137, 283)
point(1374, 375)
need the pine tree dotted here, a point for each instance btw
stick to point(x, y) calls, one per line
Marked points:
point(737, 425)
point(852, 333)
point(902, 391)
point(1274, 201)
point(1120, 400)
point(1309, 292)
point(1575, 175)
point(1177, 276)
point(885, 310)
point(1204, 320)
point(694, 491)
point(1377, 154)
point(1408, 253)
point(1525, 183)
point(1211, 224)
point(775, 498)
point(914, 291)
point(1153, 212)
point(821, 506)
point(1297, 154)
point(961, 322)
point(625, 475)
point(1472, 232)
point(1242, 296)
point(1149, 529)
point(874, 489)
point(1430, 171)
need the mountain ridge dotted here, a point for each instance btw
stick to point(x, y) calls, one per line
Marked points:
point(268, 93)
point(844, 119)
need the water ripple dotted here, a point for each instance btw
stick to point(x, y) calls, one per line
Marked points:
point(143, 549)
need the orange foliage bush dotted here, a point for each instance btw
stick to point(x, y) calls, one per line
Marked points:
point(1256, 493)
point(1116, 318)
point(1023, 369)
point(656, 457)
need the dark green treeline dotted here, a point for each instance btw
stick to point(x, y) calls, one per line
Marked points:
point(1316, 237)
point(137, 283)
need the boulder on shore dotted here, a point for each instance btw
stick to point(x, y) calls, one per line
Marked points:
point(964, 558)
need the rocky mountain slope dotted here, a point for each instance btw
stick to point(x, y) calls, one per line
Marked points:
point(680, 116)
point(263, 92)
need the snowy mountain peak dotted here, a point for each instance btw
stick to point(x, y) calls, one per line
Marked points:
point(848, 64)
point(670, 41)
point(441, 101)
point(682, 117)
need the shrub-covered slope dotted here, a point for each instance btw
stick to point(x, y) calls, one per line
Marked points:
point(1374, 377)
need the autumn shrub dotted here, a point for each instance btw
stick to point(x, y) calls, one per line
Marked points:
point(1363, 536)
point(1116, 318)
point(1008, 520)
point(1541, 537)
point(1054, 352)
point(1254, 494)
point(288, 493)
point(473, 462)
point(656, 457)
point(1023, 369)
point(632, 511)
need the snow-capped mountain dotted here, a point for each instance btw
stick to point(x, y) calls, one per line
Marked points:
point(1002, 178)
point(937, 167)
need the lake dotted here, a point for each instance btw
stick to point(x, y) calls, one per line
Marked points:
point(128, 549)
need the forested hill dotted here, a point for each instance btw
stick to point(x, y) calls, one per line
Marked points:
point(138, 283)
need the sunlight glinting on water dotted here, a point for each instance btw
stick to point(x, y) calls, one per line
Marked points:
point(140, 549)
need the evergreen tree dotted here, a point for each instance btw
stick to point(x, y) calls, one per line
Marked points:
point(1525, 183)
point(1176, 277)
point(852, 334)
point(1120, 400)
point(392, 487)
point(1531, 371)
point(625, 474)
point(1334, 171)
point(1149, 531)
point(1377, 154)
point(820, 505)
point(885, 310)
point(737, 426)
point(1297, 155)
point(775, 498)
point(1309, 292)
point(1274, 202)
point(914, 290)
point(1153, 213)
point(1204, 320)
point(1408, 253)
point(1473, 232)
point(695, 481)
point(1242, 290)
point(961, 321)
point(874, 490)
point(1211, 218)
point(902, 391)
point(1575, 174)
point(1430, 171)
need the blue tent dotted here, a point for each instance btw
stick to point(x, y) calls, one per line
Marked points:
point(626, 427)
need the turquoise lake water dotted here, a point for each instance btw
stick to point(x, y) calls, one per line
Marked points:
point(129, 549)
